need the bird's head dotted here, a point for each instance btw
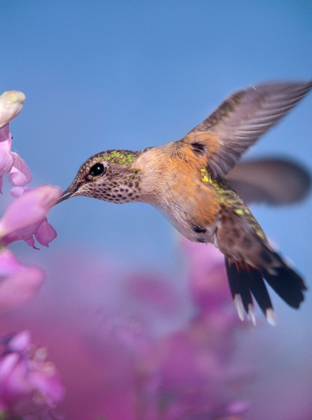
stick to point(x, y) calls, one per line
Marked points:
point(110, 176)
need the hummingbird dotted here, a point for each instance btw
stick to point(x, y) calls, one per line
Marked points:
point(195, 182)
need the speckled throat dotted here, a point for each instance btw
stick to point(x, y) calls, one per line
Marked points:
point(121, 183)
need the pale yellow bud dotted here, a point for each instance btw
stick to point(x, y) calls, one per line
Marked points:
point(11, 104)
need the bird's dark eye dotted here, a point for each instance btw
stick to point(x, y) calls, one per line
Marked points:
point(97, 169)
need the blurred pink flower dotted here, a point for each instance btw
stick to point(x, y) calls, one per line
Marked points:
point(29, 383)
point(26, 217)
point(18, 283)
point(11, 104)
point(141, 351)
point(207, 276)
point(196, 377)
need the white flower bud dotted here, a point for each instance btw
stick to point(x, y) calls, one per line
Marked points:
point(11, 104)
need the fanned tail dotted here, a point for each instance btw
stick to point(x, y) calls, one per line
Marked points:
point(247, 282)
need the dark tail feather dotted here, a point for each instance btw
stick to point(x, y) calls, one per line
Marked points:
point(288, 285)
point(245, 280)
point(260, 292)
point(238, 281)
point(285, 282)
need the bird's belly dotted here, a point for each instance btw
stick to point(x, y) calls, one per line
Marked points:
point(185, 224)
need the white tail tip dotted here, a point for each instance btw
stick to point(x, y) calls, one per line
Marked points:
point(239, 306)
point(251, 314)
point(270, 317)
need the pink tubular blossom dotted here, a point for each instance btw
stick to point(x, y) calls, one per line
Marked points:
point(29, 384)
point(28, 210)
point(18, 283)
point(41, 231)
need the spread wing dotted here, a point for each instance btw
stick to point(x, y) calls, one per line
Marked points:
point(270, 181)
point(240, 120)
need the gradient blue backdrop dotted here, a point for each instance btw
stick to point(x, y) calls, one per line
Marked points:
point(130, 74)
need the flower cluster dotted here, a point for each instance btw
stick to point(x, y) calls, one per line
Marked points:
point(29, 383)
point(25, 376)
point(130, 346)
point(11, 104)
point(24, 218)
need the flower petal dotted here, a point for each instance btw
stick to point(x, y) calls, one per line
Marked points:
point(20, 342)
point(29, 209)
point(18, 191)
point(31, 242)
point(45, 233)
point(6, 161)
point(19, 174)
point(5, 138)
point(20, 287)
point(24, 234)
point(9, 264)
point(11, 104)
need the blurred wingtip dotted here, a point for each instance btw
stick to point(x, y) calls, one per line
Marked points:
point(274, 181)
point(300, 175)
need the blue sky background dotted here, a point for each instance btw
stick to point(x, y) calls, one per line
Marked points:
point(130, 74)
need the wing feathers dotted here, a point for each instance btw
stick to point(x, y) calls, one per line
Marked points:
point(241, 119)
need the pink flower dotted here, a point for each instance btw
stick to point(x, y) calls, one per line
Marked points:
point(29, 383)
point(23, 218)
point(11, 104)
point(27, 216)
point(18, 283)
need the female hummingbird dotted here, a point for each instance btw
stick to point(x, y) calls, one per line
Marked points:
point(193, 183)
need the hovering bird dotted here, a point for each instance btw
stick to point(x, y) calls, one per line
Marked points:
point(194, 183)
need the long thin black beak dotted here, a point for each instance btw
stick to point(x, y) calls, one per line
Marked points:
point(68, 193)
